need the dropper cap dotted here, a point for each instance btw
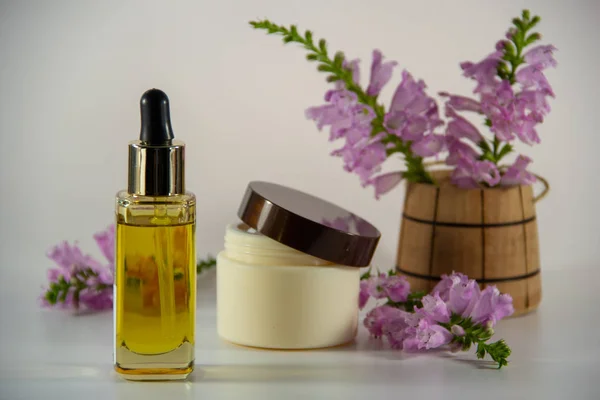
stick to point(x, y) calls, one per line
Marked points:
point(156, 160)
point(156, 118)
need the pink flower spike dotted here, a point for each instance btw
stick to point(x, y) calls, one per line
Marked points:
point(386, 182)
point(381, 73)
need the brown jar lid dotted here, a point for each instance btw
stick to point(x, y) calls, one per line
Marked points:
point(309, 224)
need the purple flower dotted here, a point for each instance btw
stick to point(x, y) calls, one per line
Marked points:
point(447, 282)
point(532, 103)
point(69, 259)
point(386, 182)
point(106, 242)
point(363, 294)
point(460, 128)
point(460, 103)
point(491, 307)
point(412, 113)
point(435, 308)
point(541, 56)
point(429, 145)
point(532, 76)
point(484, 72)
point(363, 158)
point(458, 149)
point(425, 335)
point(499, 107)
point(94, 299)
point(379, 317)
point(396, 330)
point(468, 173)
point(517, 174)
point(338, 114)
point(462, 296)
point(396, 288)
point(348, 119)
point(381, 73)
point(79, 281)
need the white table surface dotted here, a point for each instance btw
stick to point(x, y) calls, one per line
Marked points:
point(556, 355)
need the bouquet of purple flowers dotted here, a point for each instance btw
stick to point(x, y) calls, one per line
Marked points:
point(511, 97)
point(454, 316)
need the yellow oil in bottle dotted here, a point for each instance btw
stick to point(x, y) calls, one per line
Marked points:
point(155, 300)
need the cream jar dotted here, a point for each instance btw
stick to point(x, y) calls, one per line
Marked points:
point(289, 274)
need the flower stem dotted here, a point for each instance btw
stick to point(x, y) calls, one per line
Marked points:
point(477, 334)
point(513, 49)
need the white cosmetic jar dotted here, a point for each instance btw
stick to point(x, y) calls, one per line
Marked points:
point(275, 296)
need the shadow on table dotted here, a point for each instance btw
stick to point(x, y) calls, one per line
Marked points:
point(282, 373)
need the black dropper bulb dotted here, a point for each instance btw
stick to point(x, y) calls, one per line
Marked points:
point(156, 118)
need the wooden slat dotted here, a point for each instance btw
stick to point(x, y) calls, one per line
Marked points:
point(414, 253)
point(502, 205)
point(457, 249)
point(457, 205)
point(420, 201)
point(505, 252)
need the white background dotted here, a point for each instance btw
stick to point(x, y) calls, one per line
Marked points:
point(71, 75)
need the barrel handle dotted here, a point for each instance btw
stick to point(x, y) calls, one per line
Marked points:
point(545, 191)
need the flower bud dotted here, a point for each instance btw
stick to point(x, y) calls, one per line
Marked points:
point(457, 330)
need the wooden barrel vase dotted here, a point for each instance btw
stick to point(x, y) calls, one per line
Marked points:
point(488, 234)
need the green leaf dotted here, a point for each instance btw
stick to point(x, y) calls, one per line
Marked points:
point(323, 46)
point(484, 146)
point(308, 36)
point(325, 68)
point(366, 275)
point(294, 31)
point(525, 15)
point(506, 149)
point(338, 60)
point(534, 21)
point(480, 350)
point(332, 78)
point(312, 57)
point(518, 23)
point(205, 264)
point(532, 38)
